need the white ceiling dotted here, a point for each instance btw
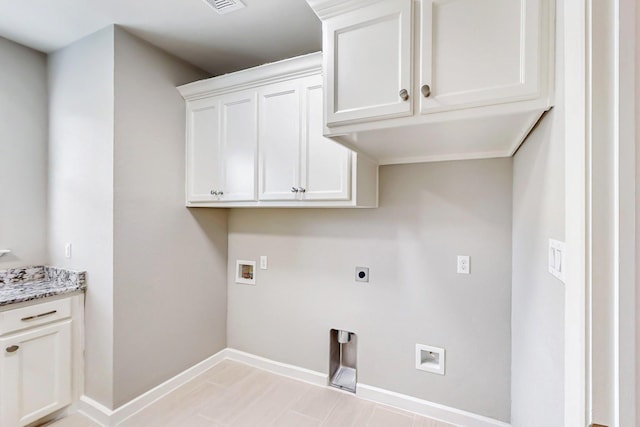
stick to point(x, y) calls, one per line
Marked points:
point(264, 31)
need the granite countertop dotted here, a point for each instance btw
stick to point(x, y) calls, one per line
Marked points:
point(31, 283)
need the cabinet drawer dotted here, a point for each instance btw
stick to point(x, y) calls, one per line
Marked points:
point(34, 315)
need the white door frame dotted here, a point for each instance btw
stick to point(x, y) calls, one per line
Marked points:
point(600, 184)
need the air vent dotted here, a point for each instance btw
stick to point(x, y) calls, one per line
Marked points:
point(225, 6)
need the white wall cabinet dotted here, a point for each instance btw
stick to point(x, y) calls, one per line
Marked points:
point(255, 139)
point(222, 148)
point(419, 80)
point(40, 360)
point(326, 165)
point(475, 53)
point(296, 161)
point(279, 135)
point(369, 63)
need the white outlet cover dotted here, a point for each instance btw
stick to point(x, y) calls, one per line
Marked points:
point(464, 266)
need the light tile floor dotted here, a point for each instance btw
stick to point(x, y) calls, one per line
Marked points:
point(234, 394)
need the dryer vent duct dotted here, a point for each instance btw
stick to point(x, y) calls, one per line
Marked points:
point(225, 6)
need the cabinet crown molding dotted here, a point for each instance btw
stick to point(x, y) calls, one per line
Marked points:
point(329, 8)
point(261, 75)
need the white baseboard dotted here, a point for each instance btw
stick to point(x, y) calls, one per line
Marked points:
point(424, 407)
point(111, 418)
point(283, 369)
point(374, 394)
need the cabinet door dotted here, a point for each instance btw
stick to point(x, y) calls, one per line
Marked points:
point(326, 165)
point(204, 154)
point(36, 376)
point(477, 53)
point(239, 146)
point(368, 63)
point(279, 135)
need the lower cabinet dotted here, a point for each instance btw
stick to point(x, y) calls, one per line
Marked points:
point(255, 139)
point(37, 360)
point(36, 373)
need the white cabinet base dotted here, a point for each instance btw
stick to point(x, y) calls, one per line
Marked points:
point(41, 364)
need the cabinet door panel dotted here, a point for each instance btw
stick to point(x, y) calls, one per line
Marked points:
point(326, 164)
point(368, 62)
point(240, 145)
point(478, 52)
point(36, 378)
point(279, 136)
point(204, 155)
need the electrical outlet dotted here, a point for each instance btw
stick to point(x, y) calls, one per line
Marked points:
point(67, 250)
point(463, 264)
point(362, 274)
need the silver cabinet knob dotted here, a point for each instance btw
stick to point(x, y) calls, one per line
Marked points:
point(294, 190)
point(12, 349)
point(404, 95)
point(220, 193)
point(426, 90)
point(302, 190)
point(214, 193)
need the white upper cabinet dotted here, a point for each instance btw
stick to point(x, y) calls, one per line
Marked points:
point(424, 80)
point(296, 161)
point(221, 148)
point(476, 53)
point(279, 141)
point(203, 150)
point(239, 146)
point(255, 139)
point(326, 172)
point(368, 63)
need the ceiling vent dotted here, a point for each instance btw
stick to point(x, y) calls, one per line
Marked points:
point(225, 6)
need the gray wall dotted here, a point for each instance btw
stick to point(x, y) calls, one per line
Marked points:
point(156, 297)
point(81, 189)
point(23, 155)
point(537, 382)
point(428, 214)
point(169, 262)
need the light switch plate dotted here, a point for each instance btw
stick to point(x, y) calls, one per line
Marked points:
point(263, 262)
point(556, 259)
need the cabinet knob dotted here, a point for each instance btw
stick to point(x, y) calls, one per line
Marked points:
point(426, 91)
point(12, 349)
point(220, 193)
point(294, 190)
point(404, 95)
point(302, 190)
point(214, 193)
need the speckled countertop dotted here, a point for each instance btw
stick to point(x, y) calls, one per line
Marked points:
point(31, 283)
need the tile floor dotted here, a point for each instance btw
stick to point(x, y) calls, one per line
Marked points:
point(234, 394)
